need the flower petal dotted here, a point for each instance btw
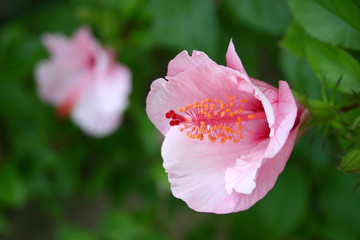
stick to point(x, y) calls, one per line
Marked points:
point(98, 110)
point(196, 171)
point(270, 170)
point(84, 37)
point(195, 84)
point(84, 42)
point(269, 91)
point(56, 80)
point(183, 61)
point(242, 177)
point(81, 48)
point(285, 116)
point(232, 59)
point(265, 93)
point(56, 44)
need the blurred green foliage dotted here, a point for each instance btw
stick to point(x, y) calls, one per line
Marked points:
point(326, 60)
point(56, 182)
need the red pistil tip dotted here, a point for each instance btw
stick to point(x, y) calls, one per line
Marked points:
point(174, 122)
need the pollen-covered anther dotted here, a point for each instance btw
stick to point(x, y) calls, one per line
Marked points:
point(214, 119)
point(251, 116)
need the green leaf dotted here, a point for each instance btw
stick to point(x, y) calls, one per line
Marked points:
point(269, 16)
point(295, 40)
point(67, 232)
point(118, 225)
point(339, 201)
point(299, 74)
point(351, 162)
point(4, 225)
point(12, 189)
point(335, 21)
point(121, 225)
point(333, 232)
point(356, 124)
point(327, 61)
point(332, 63)
point(285, 205)
point(184, 24)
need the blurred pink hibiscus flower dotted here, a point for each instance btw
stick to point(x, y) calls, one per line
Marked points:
point(227, 136)
point(83, 80)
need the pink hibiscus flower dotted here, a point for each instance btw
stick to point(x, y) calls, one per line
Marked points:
point(227, 136)
point(82, 80)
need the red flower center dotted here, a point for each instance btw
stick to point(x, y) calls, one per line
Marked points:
point(214, 119)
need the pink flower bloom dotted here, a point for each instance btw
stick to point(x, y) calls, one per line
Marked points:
point(227, 136)
point(82, 80)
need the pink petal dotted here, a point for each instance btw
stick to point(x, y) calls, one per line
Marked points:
point(285, 116)
point(98, 110)
point(155, 108)
point(56, 44)
point(267, 106)
point(195, 84)
point(270, 170)
point(183, 61)
point(56, 80)
point(103, 62)
point(269, 91)
point(71, 53)
point(197, 171)
point(242, 177)
point(265, 93)
point(84, 41)
point(83, 36)
point(232, 59)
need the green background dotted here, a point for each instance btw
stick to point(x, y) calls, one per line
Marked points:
point(58, 183)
